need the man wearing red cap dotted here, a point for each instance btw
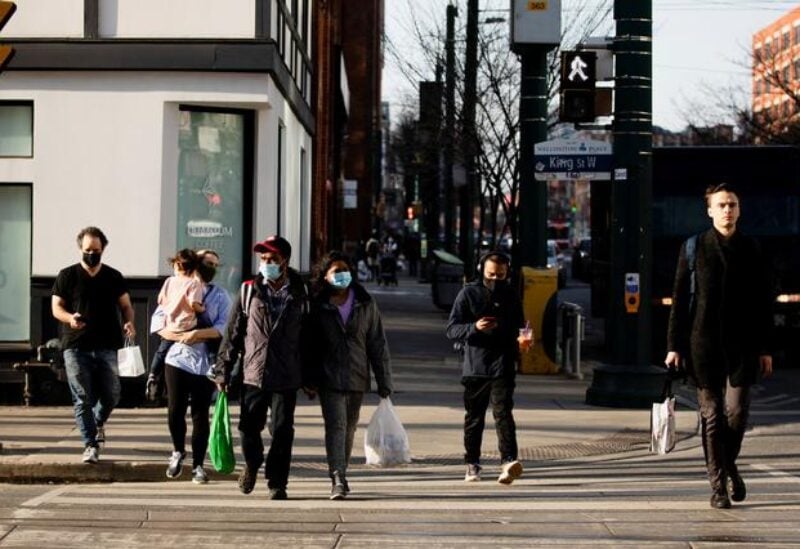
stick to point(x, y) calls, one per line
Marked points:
point(266, 325)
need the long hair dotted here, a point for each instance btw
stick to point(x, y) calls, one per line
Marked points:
point(318, 282)
point(187, 260)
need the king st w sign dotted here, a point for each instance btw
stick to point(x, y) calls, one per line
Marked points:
point(571, 160)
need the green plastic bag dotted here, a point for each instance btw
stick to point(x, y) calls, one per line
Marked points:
point(220, 441)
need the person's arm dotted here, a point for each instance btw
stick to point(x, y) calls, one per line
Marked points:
point(462, 325)
point(57, 306)
point(679, 314)
point(378, 351)
point(126, 307)
point(232, 343)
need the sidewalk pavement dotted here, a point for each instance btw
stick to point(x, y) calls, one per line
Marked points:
point(42, 444)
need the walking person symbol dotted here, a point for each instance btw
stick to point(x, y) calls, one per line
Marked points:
point(576, 69)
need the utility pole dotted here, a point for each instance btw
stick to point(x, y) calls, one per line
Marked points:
point(532, 228)
point(449, 128)
point(631, 380)
point(469, 191)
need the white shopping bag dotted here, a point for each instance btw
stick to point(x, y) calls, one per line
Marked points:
point(662, 426)
point(129, 360)
point(386, 441)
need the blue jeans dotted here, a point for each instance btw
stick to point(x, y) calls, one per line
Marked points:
point(94, 383)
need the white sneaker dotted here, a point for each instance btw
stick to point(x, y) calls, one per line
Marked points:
point(199, 476)
point(91, 454)
point(175, 467)
point(473, 473)
point(509, 472)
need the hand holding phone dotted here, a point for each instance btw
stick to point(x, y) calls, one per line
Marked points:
point(486, 324)
point(77, 321)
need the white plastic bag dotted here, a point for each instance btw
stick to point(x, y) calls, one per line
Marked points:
point(662, 426)
point(386, 441)
point(129, 360)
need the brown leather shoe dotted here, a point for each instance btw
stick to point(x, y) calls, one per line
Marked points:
point(736, 486)
point(719, 500)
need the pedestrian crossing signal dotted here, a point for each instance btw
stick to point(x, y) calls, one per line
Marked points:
point(578, 77)
point(577, 106)
point(578, 70)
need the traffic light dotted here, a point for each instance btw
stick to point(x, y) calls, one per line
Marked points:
point(578, 77)
point(7, 9)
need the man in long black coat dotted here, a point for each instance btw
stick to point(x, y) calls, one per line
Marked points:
point(723, 330)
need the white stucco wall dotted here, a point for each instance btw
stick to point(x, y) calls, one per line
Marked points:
point(46, 19)
point(177, 18)
point(105, 154)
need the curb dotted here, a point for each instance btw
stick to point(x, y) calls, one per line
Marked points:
point(103, 472)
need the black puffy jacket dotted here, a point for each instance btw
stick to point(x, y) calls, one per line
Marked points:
point(491, 354)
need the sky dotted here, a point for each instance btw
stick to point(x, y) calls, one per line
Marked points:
point(698, 45)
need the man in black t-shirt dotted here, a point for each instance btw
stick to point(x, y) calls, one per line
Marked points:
point(87, 299)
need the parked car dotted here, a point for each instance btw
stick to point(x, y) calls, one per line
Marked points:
point(556, 259)
point(582, 260)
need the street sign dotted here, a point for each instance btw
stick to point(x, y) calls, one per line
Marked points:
point(572, 160)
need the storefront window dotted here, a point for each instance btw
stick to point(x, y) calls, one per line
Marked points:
point(211, 189)
point(15, 262)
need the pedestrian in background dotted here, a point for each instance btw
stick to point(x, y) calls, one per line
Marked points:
point(720, 327)
point(87, 300)
point(267, 325)
point(189, 359)
point(486, 320)
point(349, 342)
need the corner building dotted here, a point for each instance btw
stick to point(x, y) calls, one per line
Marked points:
point(185, 123)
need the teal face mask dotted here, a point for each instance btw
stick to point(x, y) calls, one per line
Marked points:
point(270, 271)
point(341, 280)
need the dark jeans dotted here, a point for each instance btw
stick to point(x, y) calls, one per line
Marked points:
point(181, 386)
point(340, 410)
point(478, 394)
point(723, 414)
point(159, 358)
point(255, 402)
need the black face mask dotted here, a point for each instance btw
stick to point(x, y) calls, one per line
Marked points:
point(91, 259)
point(206, 272)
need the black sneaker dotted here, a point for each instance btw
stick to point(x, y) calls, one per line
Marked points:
point(278, 493)
point(247, 479)
point(338, 487)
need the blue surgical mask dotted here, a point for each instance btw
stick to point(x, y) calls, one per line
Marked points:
point(270, 271)
point(341, 280)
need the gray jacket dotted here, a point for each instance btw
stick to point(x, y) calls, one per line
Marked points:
point(274, 352)
point(345, 353)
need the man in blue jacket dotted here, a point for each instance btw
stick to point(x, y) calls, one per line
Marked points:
point(485, 320)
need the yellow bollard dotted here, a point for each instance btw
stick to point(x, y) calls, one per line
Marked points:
point(539, 288)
